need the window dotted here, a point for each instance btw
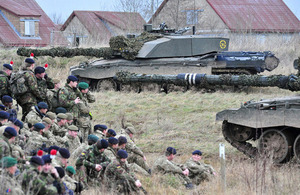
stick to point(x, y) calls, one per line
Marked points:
point(191, 16)
point(29, 28)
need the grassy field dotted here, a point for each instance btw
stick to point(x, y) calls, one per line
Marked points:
point(186, 121)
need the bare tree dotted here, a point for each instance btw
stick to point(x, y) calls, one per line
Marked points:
point(146, 8)
point(56, 18)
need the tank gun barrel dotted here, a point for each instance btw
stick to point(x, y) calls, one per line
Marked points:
point(202, 80)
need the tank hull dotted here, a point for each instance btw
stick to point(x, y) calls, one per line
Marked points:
point(273, 123)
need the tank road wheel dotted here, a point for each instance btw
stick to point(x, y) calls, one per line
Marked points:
point(136, 88)
point(240, 133)
point(277, 145)
point(173, 88)
point(153, 87)
point(105, 85)
point(297, 148)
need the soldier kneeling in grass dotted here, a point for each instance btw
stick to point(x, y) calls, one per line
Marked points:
point(120, 178)
point(165, 165)
point(199, 171)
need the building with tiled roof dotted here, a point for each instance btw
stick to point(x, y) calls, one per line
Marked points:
point(219, 16)
point(95, 28)
point(24, 23)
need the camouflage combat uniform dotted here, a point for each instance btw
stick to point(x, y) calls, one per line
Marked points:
point(58, 130)
point(199, 171)
point(111, 153)
point(31, 181)
point(164, 166)
point(48, 179)
point(44, 85)
point(84, 117)
point(99, 134)
point(71, 143)
point(70, 182)
point(135, 154)
point(9, 184)
point(4, 84)
point(18, 152)
point(5, 147)
point(29, 99)
point(34, 116)
point(36, 141)
point(89, 159)
point(52, 99)
point(66, 97)
point(119, 178)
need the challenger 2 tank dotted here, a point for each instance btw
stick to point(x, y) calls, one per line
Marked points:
point(170, 53)
point(174, 55)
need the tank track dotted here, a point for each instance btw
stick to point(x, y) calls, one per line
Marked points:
point(244, 147)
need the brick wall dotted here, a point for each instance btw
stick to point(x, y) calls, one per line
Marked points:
point(20, 25)
point(15, 20)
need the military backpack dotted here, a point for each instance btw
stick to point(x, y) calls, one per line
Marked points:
point(17, 83)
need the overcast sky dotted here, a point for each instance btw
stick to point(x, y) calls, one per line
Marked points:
point(63, 8)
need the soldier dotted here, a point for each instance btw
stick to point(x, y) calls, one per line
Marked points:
point(9, 185)
point(119, 178)
point(112, 149)
point(110, 133)
point(37, 113)
point(4, 80)
point(54, 140)
point(72, 141)
point(94, 161)
point(17, 150)
point(69, 96)
point(44, 82)
point(49, 174)
point(100, 131)
point(84, 117)
point(8, 103)
point(198, 171)
point(6, 140)
point(92, 139)
point(61, 184)
point(54, 127)
point(60, 129)
point(29, 98)
point(135, 154)
point(37, 139)
point(165, 165)
point(61, 160)
point(30, 178)
point(52, 95)
point(69, 119)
